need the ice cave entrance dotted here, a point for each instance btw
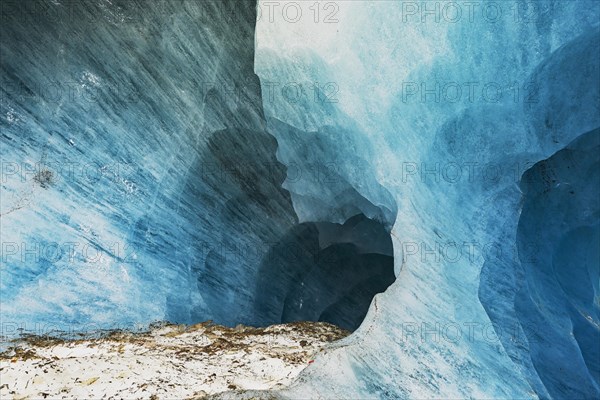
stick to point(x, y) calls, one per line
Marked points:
point(276, 262)
point(325, 272)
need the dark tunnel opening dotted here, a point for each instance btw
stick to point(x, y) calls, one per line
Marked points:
point(325, 272)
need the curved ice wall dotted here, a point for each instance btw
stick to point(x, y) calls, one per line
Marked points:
point(480, 122)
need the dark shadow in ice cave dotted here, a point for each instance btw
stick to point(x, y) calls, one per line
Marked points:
point(325, 272)
point(267, 268)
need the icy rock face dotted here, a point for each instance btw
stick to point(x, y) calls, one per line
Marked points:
point(479, 179)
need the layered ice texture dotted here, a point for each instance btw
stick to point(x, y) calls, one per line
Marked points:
point(167, 160)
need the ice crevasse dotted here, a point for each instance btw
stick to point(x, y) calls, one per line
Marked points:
point(471, 140)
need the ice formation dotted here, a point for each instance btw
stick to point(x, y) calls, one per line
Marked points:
point(188, 160)
point(484, 129)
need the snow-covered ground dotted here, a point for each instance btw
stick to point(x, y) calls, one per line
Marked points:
point(169, 362)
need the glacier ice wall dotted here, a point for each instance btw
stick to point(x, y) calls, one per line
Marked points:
point(138, 183)
point(477, 125)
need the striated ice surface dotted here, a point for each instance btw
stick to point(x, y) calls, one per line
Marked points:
point(132, 144)
point(194, 160)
